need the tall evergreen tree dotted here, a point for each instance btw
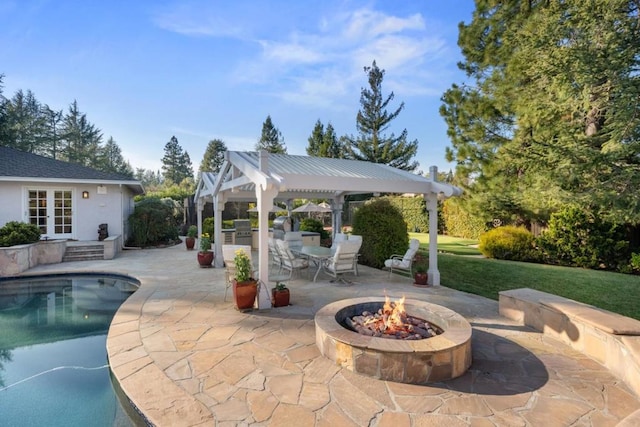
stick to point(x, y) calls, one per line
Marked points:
point(52, 133)
point(551, 114)
point(176, 163)
point(271, 139)
point(331, 147)
point(26, 122)
point(81, 139)
point(213, 156)
point(323, 142)
point(373, 119)
point(110, 159)
point(316, 139)
point(5, 139)
point(150, 180)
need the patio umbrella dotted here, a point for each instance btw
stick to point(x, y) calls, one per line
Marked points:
point(311, 207)
point(274, 208)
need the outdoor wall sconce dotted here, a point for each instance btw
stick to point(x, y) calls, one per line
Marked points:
point(85, 194)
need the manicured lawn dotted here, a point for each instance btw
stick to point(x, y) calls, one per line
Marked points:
point(450, 245)
point(615, 292)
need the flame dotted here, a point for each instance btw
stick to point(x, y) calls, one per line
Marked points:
point(395, 314)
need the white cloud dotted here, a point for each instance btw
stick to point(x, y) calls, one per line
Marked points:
point(366, 24)
point(196, 19)
point(322, 63)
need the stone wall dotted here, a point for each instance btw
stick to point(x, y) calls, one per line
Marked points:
point(16, 259)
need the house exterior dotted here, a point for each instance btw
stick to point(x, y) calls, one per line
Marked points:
point(66, 200)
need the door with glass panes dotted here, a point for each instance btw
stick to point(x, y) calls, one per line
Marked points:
point(52, 211)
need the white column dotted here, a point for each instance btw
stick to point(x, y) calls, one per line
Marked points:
point(265, 198)
point(218, 207)
point(432, 208)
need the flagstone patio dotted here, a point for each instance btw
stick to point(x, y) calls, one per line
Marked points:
point(185, 357)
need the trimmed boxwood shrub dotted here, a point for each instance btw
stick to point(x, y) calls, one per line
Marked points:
point(383, 231)
point(508, 242)
point(18, 233)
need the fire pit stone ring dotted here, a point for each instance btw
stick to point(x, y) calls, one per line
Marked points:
point(440, 358)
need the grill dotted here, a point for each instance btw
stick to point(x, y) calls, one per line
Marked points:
point(243, 232)
point(281, 225)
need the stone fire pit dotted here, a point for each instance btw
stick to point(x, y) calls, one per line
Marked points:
point(435, 359)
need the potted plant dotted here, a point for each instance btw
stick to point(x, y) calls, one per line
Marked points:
point(280, 295)
point(190, 241)
point(245, 288)
point(420, 276)
point(205, 256)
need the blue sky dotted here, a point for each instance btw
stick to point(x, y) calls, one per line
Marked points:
point(144, 71)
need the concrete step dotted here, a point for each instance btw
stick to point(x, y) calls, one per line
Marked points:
point(83, 253)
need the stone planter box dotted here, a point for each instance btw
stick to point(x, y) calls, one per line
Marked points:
point(16, 259)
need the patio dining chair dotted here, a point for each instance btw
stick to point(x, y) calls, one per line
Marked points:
point(276, 258)
point(344, 260)
point(290, 262)
point(403, 263)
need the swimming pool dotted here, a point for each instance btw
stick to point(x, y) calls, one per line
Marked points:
point(53, 357)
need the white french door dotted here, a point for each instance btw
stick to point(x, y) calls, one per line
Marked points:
point(52, 211)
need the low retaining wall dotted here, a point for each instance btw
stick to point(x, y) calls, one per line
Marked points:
point(16, 259)
point(610, 339)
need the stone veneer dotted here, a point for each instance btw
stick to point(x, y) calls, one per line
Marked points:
point(435, 359)
point(608, 338)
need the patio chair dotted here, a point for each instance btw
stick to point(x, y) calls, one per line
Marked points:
point(344, 260)
point(228, 255)
point(339, 237)
point(403, 263)
point(290, 262)
point(276, 258)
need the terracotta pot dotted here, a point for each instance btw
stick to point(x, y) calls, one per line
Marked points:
point(190, 242)
point(244, 293)
point(205, 259)
point(421, 279)
point(280, 298)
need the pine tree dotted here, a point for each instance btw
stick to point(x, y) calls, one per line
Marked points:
point(213, 156)
point(53, 132)
point(330, 145)
point(271, 139)
point(81, 139)
point(550, 115)
point(26, 122)
point(4, 125)
point(316, 139)
point(176, 163)
point(110, 159)
point(372, 144)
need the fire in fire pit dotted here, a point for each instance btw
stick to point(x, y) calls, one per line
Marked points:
point(392, 321)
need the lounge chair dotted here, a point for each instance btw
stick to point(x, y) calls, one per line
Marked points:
point(403, 263)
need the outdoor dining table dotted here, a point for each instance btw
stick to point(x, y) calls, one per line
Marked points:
point(315, 254)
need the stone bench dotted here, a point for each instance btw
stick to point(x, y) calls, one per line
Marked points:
point(611, 339)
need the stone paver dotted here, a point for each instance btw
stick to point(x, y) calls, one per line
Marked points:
point(186, 357)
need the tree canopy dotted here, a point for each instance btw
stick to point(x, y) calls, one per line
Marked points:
point(176, 163)
point(213, 156)
point(323, 142)
point(373, 119)
point(271, 139)
point(550, 113)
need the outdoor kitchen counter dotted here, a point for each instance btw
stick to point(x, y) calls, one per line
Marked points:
point(309, 238)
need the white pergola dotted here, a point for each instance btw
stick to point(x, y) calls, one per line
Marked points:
point(267, 178)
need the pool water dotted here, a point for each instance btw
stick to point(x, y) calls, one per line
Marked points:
point(53, 357)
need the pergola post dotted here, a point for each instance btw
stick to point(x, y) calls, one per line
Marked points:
point(265, 198)
point(218, 208)
point(432, 208)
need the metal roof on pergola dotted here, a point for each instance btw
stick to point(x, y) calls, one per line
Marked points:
point(267, 178)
